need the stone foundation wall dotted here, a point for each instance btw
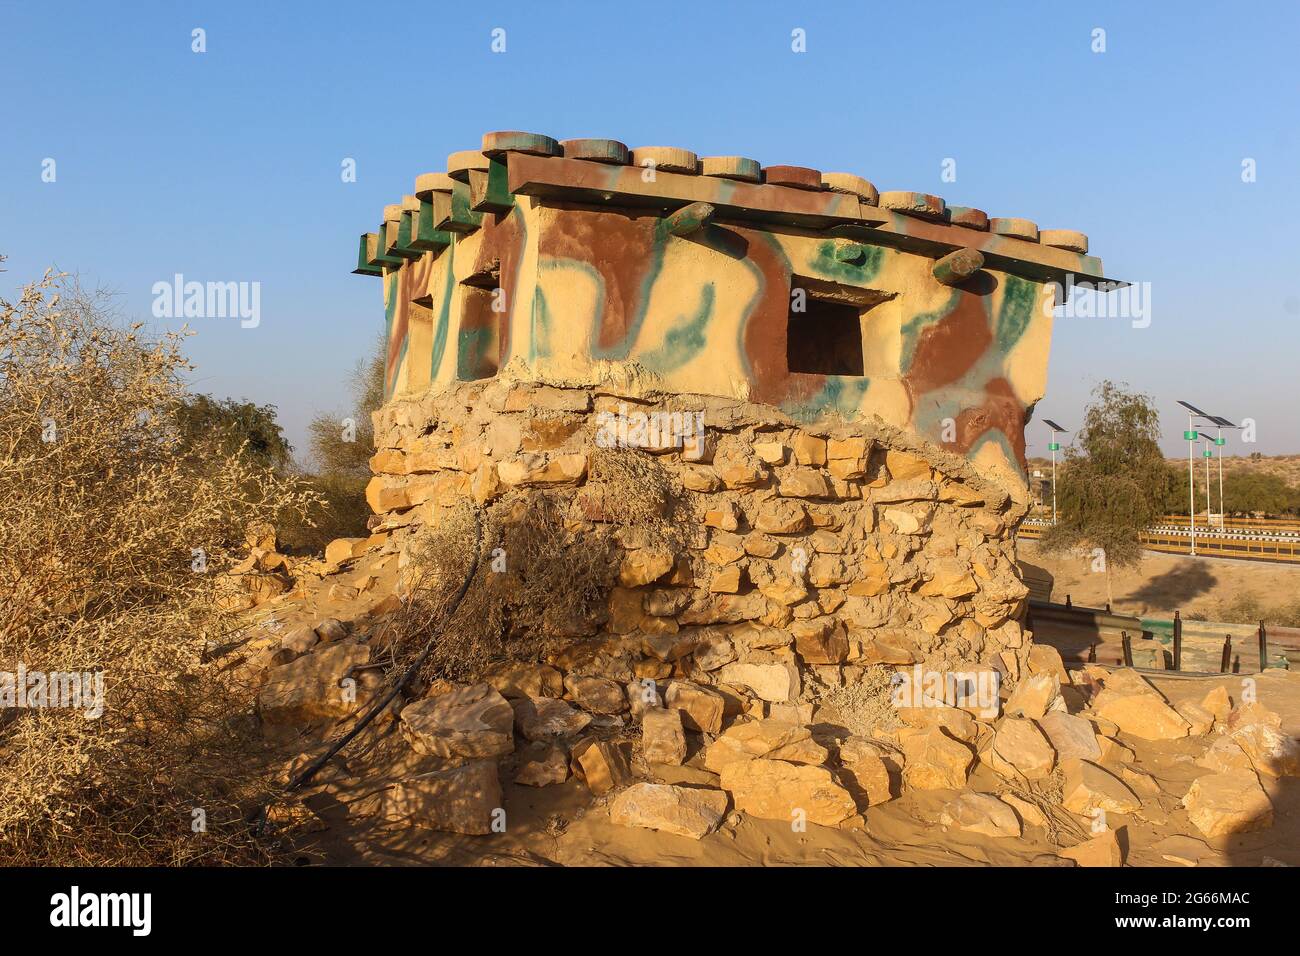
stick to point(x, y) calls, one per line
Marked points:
point(808, 551)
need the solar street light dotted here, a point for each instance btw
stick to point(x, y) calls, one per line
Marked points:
point(1055, 447)
point(1191, 434)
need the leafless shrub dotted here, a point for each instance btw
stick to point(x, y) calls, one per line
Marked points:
point(640, 494)
point(107, 523)
point(540, 579)
point(544, 577)
point(862, 706)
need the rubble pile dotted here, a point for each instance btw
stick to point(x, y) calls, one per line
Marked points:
point(686, 753)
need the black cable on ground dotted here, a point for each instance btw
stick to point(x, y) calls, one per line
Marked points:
point(315, 766)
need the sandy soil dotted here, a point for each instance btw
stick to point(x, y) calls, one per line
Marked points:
point(1165, 582)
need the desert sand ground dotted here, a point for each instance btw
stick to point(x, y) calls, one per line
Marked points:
point(1165, 582)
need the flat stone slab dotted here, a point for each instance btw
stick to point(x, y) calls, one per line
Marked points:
point(686, 811)
point(474, 721)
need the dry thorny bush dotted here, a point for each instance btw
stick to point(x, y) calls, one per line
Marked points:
point(863, 705)
point(544, 572)
point(101, 516)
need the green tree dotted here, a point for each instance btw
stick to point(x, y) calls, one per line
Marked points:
point(1255, 491)
point(1115, 481)
point(234, 426)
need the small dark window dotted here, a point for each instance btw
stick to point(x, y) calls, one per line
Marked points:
point(479, 353)
point(825, 338)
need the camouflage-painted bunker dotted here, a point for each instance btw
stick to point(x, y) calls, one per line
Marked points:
point(564, 258)
point(866, 363)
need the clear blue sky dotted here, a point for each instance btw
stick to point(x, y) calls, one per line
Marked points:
point(225, 165)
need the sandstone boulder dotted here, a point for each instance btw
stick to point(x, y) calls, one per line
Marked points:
point(782, 516)
point(725, 517)
point(1199, 720)
point(1070, 736)
point(330, 630)
point(1270, 751)
point(311, 688)
point(663, 740)
point(602, 765)
point(958, 723)
point(803, 483)
point(1220, 804)
point(644, 566)
point(596, 695)
point(643, 695)
point(294, 644)
point(950, 579)
point(1217, 703)
point(905, 522)
point(474, 722)
point(980, 813)
point(724, 549)
point(808, 449)
point(784, 589)
point(771, 739)
point(341, 549)
point(1035, 696)
point(701, 708)
point(1252, 712)
point(713, 650)
point(776, 790)
point(935, 761)
point(531, 468)
point(739, 468)
point(517, 680)
point(1101, 850)
point(820, 641)
point(1089, 787)
point(1224, 755)
point(541, 764)
point(727, 581)
point(1046, 659)
point(547, 719)
point(872, 770)
point(685, 811)
point(904, 465)
point(772, 682)
point(1021, 751)
point(462, 800)
point(1133, 705)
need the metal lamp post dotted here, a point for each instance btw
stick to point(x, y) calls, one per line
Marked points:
point(1223, 513)
point(1221, 423)
point(1054, 446)
point(1191, 435)
point(1207, 454)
